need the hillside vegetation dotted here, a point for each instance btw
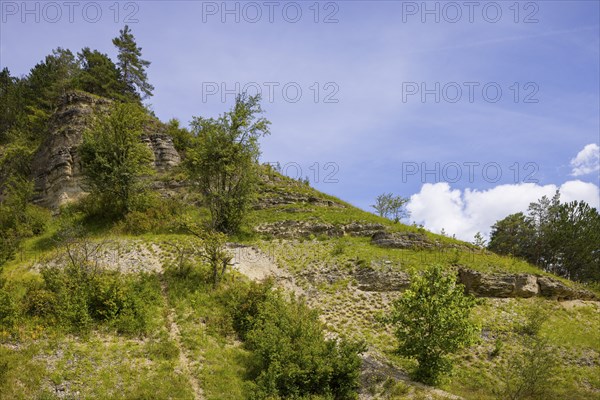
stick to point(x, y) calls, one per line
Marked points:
point(143, 260)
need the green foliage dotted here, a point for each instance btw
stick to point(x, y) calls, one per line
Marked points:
point(9, 310)
point(478, 240)
point(156, 215)
point(432, 320)
point(507, 235)
point(392, 207)
point(18, 218)
point(223, 161)
point(99, 75)
point(559, 237)
point(528, 372)
point(132, 67)
point(16, 158)
point(212, 250)
point(182, 138)
point(293, 359)
point(79, 294)
point(114, 159)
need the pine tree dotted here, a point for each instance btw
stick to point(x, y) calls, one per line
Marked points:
point(99, 75)
point(132, 67)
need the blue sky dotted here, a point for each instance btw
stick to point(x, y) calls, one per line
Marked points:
point(374, 60)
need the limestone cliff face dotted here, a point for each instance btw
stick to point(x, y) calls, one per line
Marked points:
point(56, 167)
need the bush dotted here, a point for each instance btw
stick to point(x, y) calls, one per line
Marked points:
point(9, 311)
point(293, 358)
point(156, 215)
point(527, 373)
point(41, 303)
point(78, 296)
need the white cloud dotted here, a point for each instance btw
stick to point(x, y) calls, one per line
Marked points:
point(464, 213)
point(586, 161)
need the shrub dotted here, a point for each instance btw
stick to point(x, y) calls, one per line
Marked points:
point(293, 358)
point(9, 312)
point(155, 215)
point(41, 303)
point(527, 372)
point(79, 295)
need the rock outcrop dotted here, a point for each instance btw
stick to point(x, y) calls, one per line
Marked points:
point(56, 167)
point(402, 240)
point(273, 198)
point(370, 279)
point(165, 155)
point(519, 285)
point(290, 229)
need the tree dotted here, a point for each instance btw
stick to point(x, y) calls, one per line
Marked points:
point(432, 320)
point(478, 240)
point(99, 75)
point(558, 237)
point(223, 161)
point(212, 250)
point(132, 67)
point(573, 242)
point(26, 104)
point(512, 235)
point(392, 207)
point(114, 158)
point(12, 105)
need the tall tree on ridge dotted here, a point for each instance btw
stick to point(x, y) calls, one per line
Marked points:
point(131, 65)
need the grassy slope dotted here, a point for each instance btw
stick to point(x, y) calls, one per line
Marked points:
point(45, 362)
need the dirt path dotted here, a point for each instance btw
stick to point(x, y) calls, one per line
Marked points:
point(175, 335)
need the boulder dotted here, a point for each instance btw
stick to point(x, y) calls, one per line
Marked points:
point(487, 285)
point(526, 286)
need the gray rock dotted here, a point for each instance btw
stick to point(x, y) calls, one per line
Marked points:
point(291, 229)
point(487, 285)
point(56, 168)
point(165, 155)
point(401, 240)
point(555, 289)
point(526, 286)
point(519, 285)
point(372, 280)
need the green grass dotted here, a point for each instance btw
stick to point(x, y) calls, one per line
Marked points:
point(37, 360)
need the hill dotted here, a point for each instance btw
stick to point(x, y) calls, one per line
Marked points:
point(97, 307)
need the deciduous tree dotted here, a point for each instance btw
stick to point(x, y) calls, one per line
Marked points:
point(223, 161)
point(432, 320)
point(114, 158)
